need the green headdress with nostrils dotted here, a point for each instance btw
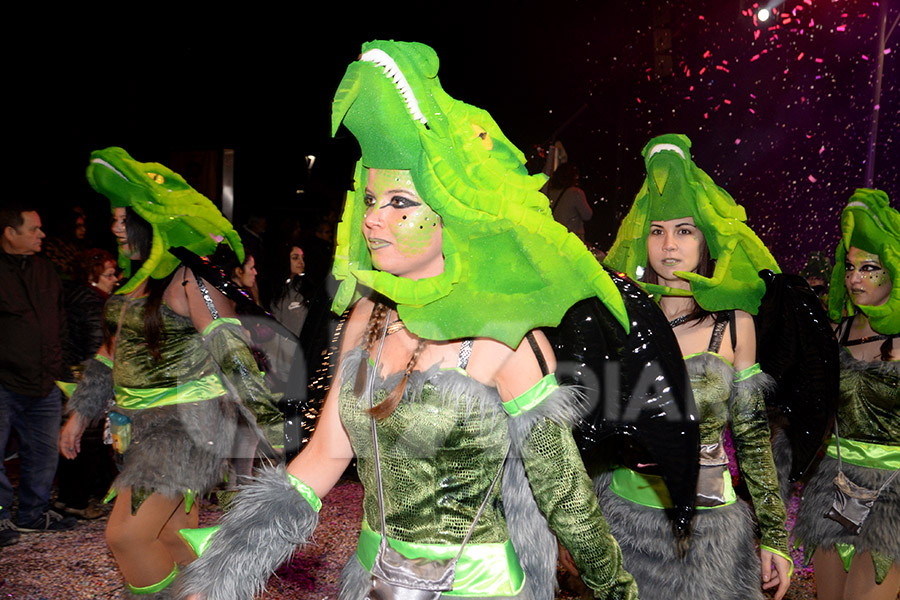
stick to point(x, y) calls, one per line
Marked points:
point(508, 266)
point(869, 223)
point(675, 187)
point(178, 214)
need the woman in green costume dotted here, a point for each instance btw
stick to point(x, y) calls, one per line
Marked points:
point(460, 261)
point(177, 367)
point(865, 299)
point(686, 240)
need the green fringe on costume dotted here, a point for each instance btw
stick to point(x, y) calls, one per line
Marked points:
point(676, 187)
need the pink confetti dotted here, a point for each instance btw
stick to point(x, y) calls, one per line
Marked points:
point(705, 115)
point(841, 28)
point(753, 96)
point(800, 56)
point(812, 23)
point(727, 101)
point(702, 18)
point(752, 111)
point(737, 141)
point(754, 57)
point(702, 71)
point(822, 149)
point(812, 179)
point(887, 50)
point(706, 54)
point(819, 60)
point(864, 57)
point(756, 34)
point(639, 100)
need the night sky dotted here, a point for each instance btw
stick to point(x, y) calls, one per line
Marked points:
point(779, 112)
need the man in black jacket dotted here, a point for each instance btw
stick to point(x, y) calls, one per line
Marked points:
point(32, 326)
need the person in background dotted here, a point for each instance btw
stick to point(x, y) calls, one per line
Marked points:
point(85, 479)
point(32, 330)
point(567, 200)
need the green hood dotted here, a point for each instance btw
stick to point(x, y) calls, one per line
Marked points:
point(178, 214)
point(509, 267)
point(676, 187)
point(869, 223)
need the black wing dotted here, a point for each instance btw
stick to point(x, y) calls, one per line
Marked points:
point(796, 346)
point(638, 387)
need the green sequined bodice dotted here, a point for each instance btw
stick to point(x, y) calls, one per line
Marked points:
point(183, 357)
point(869, 409)
point(439, 452)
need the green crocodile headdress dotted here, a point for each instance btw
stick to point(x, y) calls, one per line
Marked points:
point(508, 266)
point(178, 214)
point(868, 223)
point(675, 187)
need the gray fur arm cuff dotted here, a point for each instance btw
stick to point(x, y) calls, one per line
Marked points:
point(268, 520)
point(94, 392)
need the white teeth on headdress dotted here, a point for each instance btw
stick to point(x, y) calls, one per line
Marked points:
point(100, 161)
point(661, 147)
point(382, 59)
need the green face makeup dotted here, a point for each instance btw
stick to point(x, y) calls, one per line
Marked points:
point(869, 268)
point(409, 219)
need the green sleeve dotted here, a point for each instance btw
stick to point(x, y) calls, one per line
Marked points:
point(752, 445)
point(228, 344)
point(566, 497)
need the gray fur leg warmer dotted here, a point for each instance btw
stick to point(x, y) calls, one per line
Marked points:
point(94, 392)
point(268, 520)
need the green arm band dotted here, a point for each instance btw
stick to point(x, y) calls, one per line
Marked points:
point(783, 555)
point(750, 432)
point(533, 397)
point(307, 492)
point(156, 587)
point(747, 373)
point(105, 360)
point(218, 323)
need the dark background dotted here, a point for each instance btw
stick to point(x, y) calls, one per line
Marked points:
point(779, 113)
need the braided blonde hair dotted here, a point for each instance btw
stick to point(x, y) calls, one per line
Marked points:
point(373, 330)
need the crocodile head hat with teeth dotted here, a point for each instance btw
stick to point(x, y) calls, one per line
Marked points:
point(508, 266)
point(676, 187)
point(177, 213)
point(869, 223)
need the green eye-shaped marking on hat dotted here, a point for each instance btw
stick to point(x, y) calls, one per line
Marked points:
point(508, 266)
point(675, 187)
point(869, 223)
point(177, 213)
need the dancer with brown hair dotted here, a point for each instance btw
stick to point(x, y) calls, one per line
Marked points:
point(178, 367)
point(446, 393)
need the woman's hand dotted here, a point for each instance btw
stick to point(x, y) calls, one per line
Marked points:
point(70, 436)
point(775, 572)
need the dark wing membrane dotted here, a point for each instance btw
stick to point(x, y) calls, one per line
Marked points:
point(796, 346)
point(637, 386)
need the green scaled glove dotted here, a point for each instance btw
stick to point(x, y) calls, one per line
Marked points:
point(540, 432)
point(752, 445)
point(227, 342)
